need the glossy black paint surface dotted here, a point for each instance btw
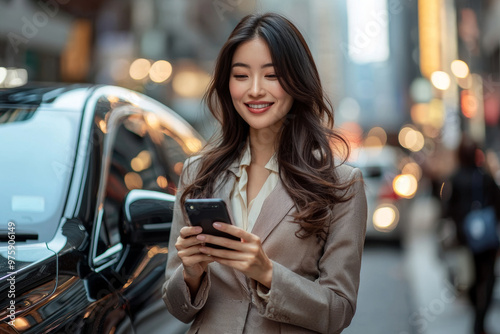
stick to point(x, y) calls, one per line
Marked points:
point(82, 281)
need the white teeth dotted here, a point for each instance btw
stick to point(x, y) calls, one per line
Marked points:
point(259, 106)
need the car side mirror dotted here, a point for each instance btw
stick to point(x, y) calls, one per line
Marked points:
point(147, 217)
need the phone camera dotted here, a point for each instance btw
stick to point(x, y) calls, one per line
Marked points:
point(191, 207)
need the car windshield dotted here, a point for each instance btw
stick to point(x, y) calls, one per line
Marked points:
point(37, 151)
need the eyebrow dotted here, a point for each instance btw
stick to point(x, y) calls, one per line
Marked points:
point(248, 66)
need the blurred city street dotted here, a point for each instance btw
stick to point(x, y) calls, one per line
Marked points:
point(102, 102)
point(409, 291)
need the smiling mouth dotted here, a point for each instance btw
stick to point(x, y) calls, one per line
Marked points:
point(258, 108)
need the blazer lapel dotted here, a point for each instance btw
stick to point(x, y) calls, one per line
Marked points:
point(275, 208)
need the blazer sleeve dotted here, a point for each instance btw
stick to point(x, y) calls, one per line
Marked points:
point(327, 304)
point(175, 291)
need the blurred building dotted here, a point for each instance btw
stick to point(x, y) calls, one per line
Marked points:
point(384, 63)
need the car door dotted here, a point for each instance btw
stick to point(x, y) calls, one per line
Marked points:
point(131, 161)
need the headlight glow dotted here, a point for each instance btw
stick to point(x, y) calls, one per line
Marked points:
point(385, 217)
point(405, 185)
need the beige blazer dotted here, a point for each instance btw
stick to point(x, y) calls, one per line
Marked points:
point(315, 283)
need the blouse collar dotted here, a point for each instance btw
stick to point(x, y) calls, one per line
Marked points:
point(246, 159)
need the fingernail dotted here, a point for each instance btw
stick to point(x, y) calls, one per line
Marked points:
point(200, 237)
point(217, 225)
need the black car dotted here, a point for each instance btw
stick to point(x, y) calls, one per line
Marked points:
point(88, 177)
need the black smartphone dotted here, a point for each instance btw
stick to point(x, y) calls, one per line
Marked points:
point(204, 212)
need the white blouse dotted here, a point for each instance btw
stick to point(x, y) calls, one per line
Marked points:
point(244, 215)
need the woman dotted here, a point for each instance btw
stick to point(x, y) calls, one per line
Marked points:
point(471, 187)
point(300, 215)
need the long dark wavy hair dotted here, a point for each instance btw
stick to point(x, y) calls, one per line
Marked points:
point(306, 141)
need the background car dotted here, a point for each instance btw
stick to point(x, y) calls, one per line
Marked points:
point(391, 179)
point(88, 177)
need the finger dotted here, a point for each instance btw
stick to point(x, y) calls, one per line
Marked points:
point(224, 254)
point(196, 259)
point(189, 251)
point(236, 231)
point(220, 241)
point(188, 231)
point(183, 243)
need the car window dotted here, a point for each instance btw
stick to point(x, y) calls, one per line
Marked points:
point(173, 156)
point(134, 165)
point(37, 150)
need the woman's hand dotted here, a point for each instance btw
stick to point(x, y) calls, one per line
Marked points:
point(246, 255)
point(194, 262)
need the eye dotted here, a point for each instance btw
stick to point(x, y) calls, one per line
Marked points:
point(271, 76)
point(239, 76)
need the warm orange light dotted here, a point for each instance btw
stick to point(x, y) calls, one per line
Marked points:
point(436, 113)
point(375, 137)
point(441, 80)
point(21, 323)
point(190, 83)
point(139, 69)
point(411, 139)
point(459, 68)
point(419, 113)
point(429, 28)
point(102, 126)
point(160, 71)
point(353, 132)
point(141, 162)
point(412, 168)
point(385, 217)
point(405, 185)
point(193, 145)
point(133, 181)
point(468, 102)
point(76, 56)
point(152, 120)
point(162, 181)
point(178, 168)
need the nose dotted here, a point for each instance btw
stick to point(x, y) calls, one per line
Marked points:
point(256, 89)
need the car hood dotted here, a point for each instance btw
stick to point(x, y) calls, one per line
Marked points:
point(29, 264)
point(18, 257)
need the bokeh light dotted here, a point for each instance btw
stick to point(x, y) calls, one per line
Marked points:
point(162, 181)
point(412, 168)
point(141, 162)
point(193, 144)
point(376, 137)
point(405, 185)
point(440, 80)
point(459, 68)
point(190, 84)
point(469, 104)
point(139, 69)
point(133, 181)
point(178, 168)
point(385, 217)
point(411, 139)
point(160, 71)
point(353, 132)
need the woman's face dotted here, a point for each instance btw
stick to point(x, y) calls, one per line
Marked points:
point(255, 90)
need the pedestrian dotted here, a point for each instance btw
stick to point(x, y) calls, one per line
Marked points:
point(299, 212)
point(470, 188)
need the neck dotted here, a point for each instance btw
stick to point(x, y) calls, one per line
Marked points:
point(262, 145)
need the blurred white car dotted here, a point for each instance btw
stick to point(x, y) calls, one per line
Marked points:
point(390, 181)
